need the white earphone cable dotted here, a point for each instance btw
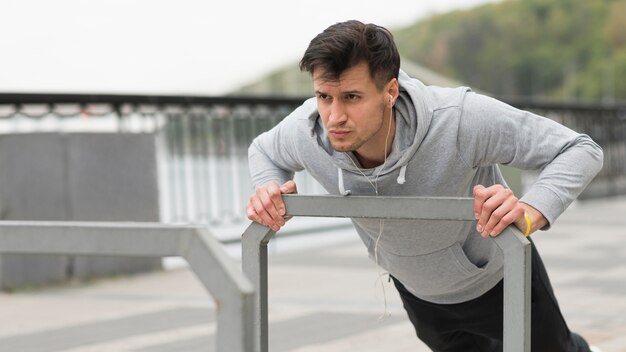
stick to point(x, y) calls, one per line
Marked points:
point(374, 184)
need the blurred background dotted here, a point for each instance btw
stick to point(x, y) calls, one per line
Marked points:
point(143, 110)
point(187, 47)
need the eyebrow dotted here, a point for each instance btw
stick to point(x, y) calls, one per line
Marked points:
point(356, 91)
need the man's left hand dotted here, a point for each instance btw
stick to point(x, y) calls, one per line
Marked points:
point(496, 207)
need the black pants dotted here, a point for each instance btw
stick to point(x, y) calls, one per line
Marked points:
point(476, 325)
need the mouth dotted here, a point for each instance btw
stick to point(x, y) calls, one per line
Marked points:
point(338, 133)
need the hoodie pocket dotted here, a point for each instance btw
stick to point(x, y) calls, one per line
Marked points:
point(445, 271)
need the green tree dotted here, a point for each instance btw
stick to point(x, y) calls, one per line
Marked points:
point(556, 48)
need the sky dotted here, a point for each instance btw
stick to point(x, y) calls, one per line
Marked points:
point(182, 47)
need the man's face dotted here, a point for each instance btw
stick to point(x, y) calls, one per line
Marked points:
point(352, 108)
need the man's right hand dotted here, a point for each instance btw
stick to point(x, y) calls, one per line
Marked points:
point(266, 204)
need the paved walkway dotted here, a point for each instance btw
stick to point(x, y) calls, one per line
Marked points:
point(321, 299)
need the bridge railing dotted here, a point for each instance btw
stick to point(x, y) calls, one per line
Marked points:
point(203, 141)
point(515, 248)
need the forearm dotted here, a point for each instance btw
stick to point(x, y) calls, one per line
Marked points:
point(563, 179)
point(492, 132)
point(264, 170)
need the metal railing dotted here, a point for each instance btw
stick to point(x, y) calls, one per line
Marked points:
point(231, 290)
point(515, 248)
point(203, 141)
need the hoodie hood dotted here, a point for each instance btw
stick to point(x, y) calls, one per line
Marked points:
point(413, 119)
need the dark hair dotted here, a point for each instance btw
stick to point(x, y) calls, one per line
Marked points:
point(347, 44)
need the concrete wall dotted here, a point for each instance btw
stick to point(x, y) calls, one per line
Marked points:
point(75, 177)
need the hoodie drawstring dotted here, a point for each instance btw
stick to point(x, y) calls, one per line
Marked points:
point(401, 178)
point(346, 192)
point(342, 190)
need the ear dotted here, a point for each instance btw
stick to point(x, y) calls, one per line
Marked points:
point(392, 90)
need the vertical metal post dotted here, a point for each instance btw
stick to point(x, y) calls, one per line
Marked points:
point(517, 281)
point(233, 293)
point(254, 262)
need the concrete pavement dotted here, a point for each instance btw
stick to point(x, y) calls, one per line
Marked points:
point(326, 298)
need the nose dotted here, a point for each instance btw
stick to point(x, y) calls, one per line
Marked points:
point(337, 113)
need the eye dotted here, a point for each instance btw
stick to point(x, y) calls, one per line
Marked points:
point(352, 97)
point(321, 96)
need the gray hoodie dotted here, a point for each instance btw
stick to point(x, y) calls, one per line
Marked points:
point(447, 140)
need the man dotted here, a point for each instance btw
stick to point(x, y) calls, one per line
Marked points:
point(371, 129)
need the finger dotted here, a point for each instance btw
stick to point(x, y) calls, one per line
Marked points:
point(289, 187)
point(264, 197)
point(266, 218)
point(481, 195)
point(267, 195)
point(274, 192)
point(479, 199)
point(252, 215)
point(496, 195)
point(498, 215)
point(267, 203)
point(490, 206)
point(508, 219)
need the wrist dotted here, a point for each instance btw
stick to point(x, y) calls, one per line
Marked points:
point(524, 224)
point(531, 221)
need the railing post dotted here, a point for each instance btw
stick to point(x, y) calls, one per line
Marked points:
point(254, 262)
point(232, 291)
point(517, 281)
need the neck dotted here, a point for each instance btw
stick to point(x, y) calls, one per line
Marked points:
point(375, 153)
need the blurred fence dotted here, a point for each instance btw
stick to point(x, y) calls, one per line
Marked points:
point(203, 141)
point(605, 124)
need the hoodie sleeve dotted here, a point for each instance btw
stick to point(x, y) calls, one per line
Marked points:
point(273, 155)
point(492, 132)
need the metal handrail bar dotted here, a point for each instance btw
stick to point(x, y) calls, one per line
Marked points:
point(231, 290)
point(515, 248)
point(117, 99)
point(520, 102)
